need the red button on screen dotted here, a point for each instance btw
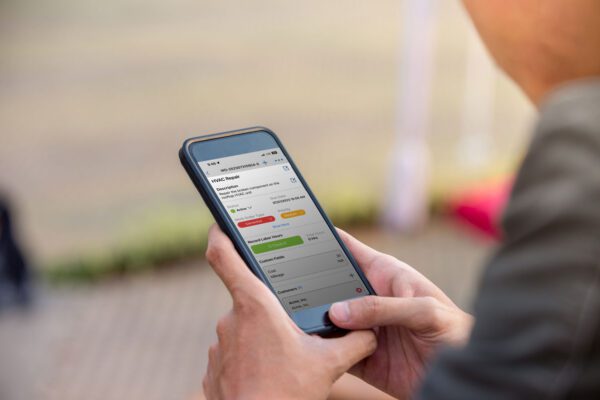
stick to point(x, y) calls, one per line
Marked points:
point(256, 221)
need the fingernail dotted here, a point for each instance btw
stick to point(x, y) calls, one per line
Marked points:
point(340, 311)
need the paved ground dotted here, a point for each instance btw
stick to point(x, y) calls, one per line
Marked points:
point(145, 337)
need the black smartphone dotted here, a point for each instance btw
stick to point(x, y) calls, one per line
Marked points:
point(260, 200)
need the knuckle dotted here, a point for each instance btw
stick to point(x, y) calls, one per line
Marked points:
point(212, 353)
point(434, 311)
point(389, 259)
point(371, 307)
point(429, 302)
point(335, 358)
point(244, 310)
point(216, 249)
point(222, 328)
point(439, 318)
point(213, 253)
point(241, 300)
point(371, 342)
point(245, 300)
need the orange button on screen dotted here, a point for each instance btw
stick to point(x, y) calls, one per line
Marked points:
point(292, 214)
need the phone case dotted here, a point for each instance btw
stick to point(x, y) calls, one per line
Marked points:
point(222, 219)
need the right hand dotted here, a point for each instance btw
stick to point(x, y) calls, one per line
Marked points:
point(411, 317)
point(261, 353)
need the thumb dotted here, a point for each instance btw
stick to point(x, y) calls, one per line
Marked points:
point(227, 263)
point(351, 348)
point(415, 313)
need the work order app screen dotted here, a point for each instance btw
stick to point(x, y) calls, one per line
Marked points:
point(284, 230)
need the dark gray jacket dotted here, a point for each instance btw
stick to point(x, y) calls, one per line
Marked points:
point(537, 331)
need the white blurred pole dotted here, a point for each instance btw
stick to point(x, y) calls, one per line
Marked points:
point(474, 145)
point(406, 203)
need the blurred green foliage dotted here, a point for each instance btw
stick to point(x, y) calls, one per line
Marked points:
point(167, 235)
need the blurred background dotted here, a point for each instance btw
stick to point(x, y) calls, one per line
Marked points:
point(393, 112)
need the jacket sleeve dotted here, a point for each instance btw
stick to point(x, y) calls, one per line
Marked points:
point(538, 307)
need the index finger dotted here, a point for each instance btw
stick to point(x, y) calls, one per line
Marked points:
point(364, 255)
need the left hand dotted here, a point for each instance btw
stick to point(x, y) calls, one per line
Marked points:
point(261, 353)
point(412, 317)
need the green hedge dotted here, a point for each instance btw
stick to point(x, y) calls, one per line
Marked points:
point(168, 235)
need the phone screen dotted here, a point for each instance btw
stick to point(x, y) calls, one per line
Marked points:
point(283, 228)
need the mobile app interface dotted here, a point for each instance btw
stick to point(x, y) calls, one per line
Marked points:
point(283, 228)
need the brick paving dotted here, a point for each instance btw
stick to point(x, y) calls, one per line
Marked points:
point(146, 336)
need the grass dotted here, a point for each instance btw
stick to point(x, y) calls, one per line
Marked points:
point(168, 235)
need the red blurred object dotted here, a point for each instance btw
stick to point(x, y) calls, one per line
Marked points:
point(481, 206)
point(256, 221)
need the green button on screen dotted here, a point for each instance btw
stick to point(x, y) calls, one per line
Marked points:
point(277, 244)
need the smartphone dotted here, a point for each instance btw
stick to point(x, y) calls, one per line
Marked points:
point(260, 200)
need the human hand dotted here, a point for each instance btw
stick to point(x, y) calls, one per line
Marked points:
point(411, 315)
point(541, 44)
point(261, 353)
